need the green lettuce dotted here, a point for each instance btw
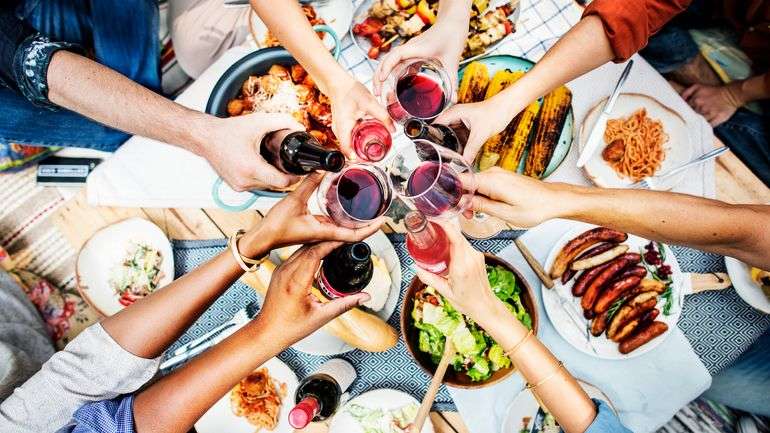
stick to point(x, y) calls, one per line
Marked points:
point(480, 369)
point(497, 356)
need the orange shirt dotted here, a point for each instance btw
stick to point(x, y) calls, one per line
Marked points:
point(630, 23)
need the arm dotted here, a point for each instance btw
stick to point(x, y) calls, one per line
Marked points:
point(467, 289)
point(738, 231)
point(289, 313)
point(350, 99)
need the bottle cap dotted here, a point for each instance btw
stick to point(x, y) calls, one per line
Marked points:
point(334, 161)
point(303, 413)
point(415, 221)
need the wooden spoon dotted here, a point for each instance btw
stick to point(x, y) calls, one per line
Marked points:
point(435, 383)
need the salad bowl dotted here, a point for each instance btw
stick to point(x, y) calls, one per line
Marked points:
point(411, 334)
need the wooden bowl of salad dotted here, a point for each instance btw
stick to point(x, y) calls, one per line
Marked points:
point(474, 366)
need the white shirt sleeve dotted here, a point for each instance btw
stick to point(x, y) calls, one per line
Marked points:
point(92, 367)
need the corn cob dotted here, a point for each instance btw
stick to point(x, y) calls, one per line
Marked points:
point(495, 146)
point(553, 113)
point(474, 83)
point(518, 137)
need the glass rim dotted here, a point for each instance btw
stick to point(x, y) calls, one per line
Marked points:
point(440, 161)
point(369, 168)
point(433, 64)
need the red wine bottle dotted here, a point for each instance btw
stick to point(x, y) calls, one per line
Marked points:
point(453, 136)
point(299, 153)
point(346, 270)
point(318, 395)
point(427, 243)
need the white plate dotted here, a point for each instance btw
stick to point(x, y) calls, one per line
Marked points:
point(220, 417)
point(106, 249)
point(678, 147)
point(363, 44)
point(564, 325)
point(338, 15)
point(747, 288)
point(386, 399)
point(525, 406)
point(322, 343)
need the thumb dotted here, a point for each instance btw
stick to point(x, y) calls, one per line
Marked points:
point(342, 305)
point(492, 207)
point(688, 92)
point(475, 142)
point(386, 66)
point(437, 282)
point(453, 114)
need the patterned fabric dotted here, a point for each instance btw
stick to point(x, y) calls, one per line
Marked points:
point(31, 67)
point(719, 325)
point(14, 156)
point(106, 416)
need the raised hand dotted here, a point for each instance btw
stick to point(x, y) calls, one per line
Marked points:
point(483, 120)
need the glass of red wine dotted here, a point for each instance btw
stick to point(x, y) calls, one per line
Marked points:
point(432, 179)
point(356, 195)
point(417, 88)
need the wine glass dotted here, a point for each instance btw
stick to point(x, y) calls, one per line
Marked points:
point(433, 179)
point(356, 195)
point(419, 88)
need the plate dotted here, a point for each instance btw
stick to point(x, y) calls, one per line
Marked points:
point(322, 343)
point(678, 148)
point(220, 417)
point(338, 15)
point(513, 63)
point(568, 330)
point(747, 288)
point(387, 399)
point(106, 249)
point(524, 408)
point(364, 45)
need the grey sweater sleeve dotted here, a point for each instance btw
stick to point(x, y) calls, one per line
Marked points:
point(92, 367)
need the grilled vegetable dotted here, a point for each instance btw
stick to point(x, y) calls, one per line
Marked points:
point(494, 147)
point(501, 81)
point(517, 141)
point(474, 84)
point(553, 113)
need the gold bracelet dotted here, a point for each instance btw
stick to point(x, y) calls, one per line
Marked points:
point(232, 244)
point(554, 373)
point(518, 345)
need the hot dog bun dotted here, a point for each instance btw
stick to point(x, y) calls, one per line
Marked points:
point(357, 328)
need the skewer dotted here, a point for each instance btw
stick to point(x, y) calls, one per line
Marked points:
point(389, 41)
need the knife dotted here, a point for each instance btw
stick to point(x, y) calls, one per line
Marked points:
point(597, 132)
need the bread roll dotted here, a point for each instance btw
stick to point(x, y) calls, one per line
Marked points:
point(356, 327)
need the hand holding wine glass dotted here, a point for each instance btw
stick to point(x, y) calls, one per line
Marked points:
point(483, 119)
point(356, 196)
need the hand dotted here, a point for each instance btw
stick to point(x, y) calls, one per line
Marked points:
point(519, 200)
point(350, 102)
point(442, 41)
point(290, 223)
point(466, 286)
point(290, 310)
point(232, 148)
point(483, 120)
point(715, 103)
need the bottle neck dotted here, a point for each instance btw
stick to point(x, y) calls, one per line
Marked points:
point(303, 413)
point(300, 154)
point(438, 134)
point(420, 230)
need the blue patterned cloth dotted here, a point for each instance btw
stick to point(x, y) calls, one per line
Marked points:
point(719, 325)
point(105, 416)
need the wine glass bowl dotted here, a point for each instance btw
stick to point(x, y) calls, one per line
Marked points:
point(419, 88)
point(355, 196)
point(432, 179)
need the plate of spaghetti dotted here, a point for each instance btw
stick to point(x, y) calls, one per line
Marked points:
point(642, 138)
point(260, 402)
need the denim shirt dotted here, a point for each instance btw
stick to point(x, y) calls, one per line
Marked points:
point(25, 55)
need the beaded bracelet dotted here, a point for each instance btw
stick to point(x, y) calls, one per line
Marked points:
point(232, 244)
point(518, 345)
point(544, 380)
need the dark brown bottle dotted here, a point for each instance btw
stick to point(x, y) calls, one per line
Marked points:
point(299, 153)
point(318, 395)
point(346, 270)
point(453, 137)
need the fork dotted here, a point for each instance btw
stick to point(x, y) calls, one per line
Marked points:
point(650, 182)
point(240, 3)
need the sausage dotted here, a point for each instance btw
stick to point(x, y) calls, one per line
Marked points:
point(617, 288)
point(593, 251)
point(613, 269)
point(627, 313)
point(582, 282)
point(649, 285)
point(606, 256)
point(581, 243)
point(599, 324)
point(642, 336)
point(567, 275)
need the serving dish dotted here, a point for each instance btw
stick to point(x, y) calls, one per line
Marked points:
point(579, 337)
point(337, 14)
point(384, 399)
point(502, 62)
point(220, 417)
point(678, 148)
point(452, 378)
point(106, 249)
point(745, 286)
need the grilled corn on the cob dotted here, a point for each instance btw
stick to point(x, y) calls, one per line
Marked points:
point(518, 137)
point(474, 84)
point(494, 147)
point(553, 113)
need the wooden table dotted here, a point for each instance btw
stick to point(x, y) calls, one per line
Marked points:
point(78, 221)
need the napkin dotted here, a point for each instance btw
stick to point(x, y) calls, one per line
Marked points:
point(647, 390)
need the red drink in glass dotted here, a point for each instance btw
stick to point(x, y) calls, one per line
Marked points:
point(371, 140)
point(355, 196)
point(435, 188)
point(420, 95)
point(427, 243)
